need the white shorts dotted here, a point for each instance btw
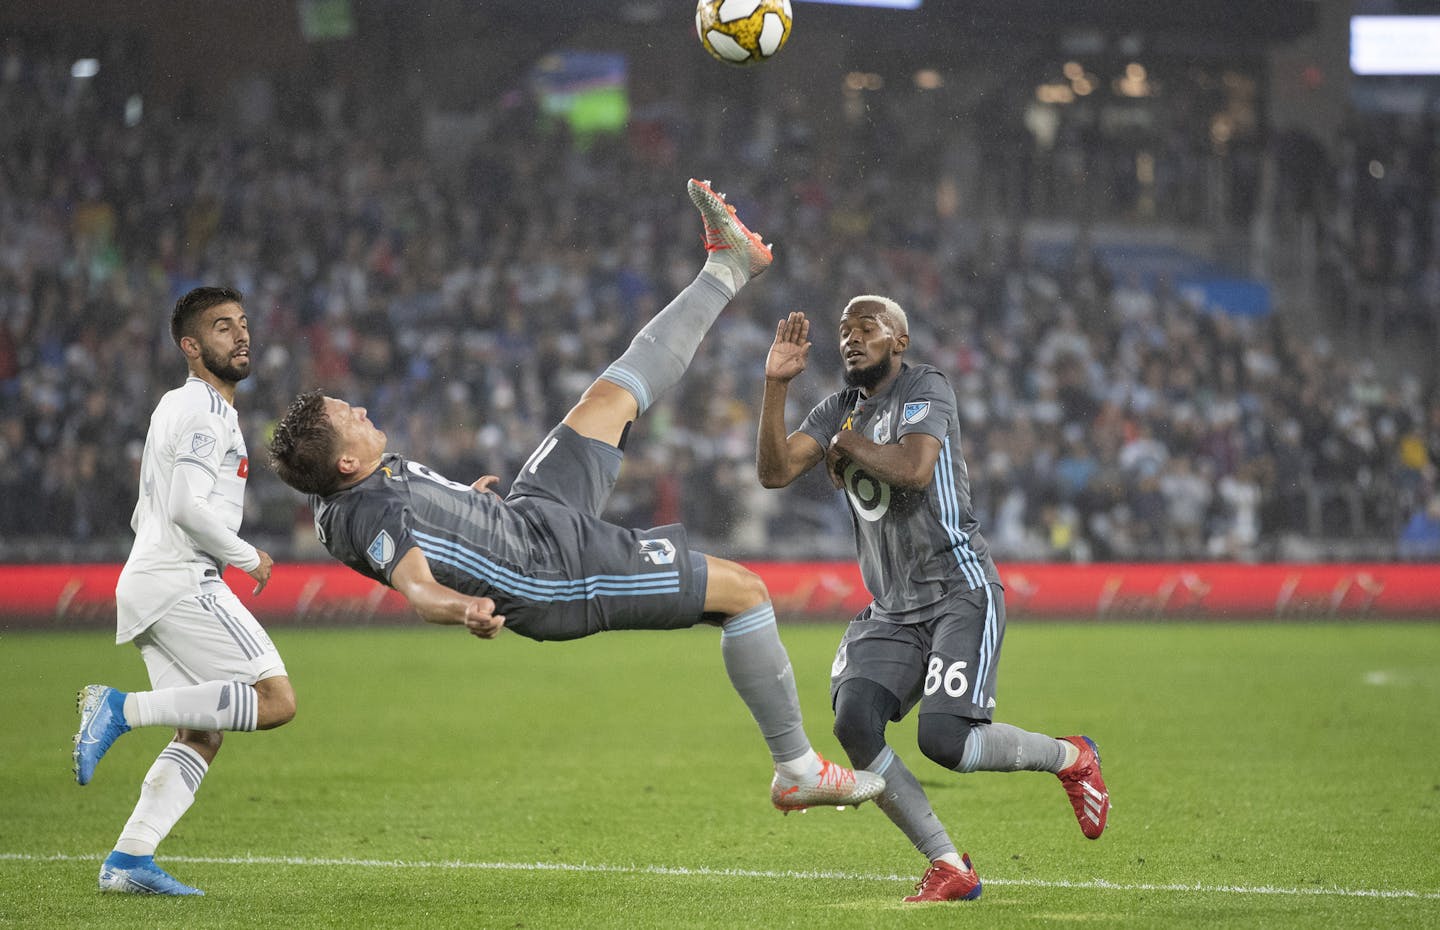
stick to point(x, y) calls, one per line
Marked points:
point(208, 637)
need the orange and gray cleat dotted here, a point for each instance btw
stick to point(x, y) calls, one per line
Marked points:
point(835, 785)
point(725, 233)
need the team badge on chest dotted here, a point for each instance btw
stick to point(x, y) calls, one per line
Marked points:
point(882, 428)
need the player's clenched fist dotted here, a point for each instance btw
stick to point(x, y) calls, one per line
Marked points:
point(481, 619)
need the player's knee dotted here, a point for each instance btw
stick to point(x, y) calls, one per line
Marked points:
point(731, 588)
point(942, 739)
point(205, 742)
point(276, 705)
point(862, 711)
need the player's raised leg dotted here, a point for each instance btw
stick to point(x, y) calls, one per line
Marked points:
point(107, 713)
point(760, 671)
point(663, 349)
point(981, 746)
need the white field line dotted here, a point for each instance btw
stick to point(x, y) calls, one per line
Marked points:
point(1098, 884)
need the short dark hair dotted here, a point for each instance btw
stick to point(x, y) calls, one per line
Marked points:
point(302, 449)
point(188, 308)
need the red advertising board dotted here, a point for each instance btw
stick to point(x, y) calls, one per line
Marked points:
point(318, 593)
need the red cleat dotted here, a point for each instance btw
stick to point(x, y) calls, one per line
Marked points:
point(1086, 788)
point(943, 882)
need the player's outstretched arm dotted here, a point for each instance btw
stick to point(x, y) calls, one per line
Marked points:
point(435, 603)
point(780, 458)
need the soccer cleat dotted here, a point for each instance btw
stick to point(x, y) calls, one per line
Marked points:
point(125, 874)
point(726, 238)
point(835, 784)
point(943, 882)
point(1086, 788)
point(102, 720)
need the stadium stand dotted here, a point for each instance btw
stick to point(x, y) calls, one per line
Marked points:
point(1112, 411)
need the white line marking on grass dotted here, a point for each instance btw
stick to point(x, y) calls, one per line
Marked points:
point(1098, 884)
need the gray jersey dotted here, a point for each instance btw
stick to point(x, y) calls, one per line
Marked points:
point(554, 568)
point(914, 546)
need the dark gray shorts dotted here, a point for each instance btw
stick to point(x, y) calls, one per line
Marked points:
point(597, 576)
point(947, 665)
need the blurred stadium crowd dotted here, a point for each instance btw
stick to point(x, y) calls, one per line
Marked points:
point(466, 301)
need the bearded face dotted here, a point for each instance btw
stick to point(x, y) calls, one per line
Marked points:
point(229, 363)
point(866, 377)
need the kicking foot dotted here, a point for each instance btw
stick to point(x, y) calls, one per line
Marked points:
point(731, 247)
point(1086, 788)
point(102, 721)
point(943, 882)
point(834, 785)
point(139, 875)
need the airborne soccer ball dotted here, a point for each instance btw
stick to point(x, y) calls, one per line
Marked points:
point(743, 32)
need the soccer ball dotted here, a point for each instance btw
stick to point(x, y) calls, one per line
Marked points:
point(743, 32)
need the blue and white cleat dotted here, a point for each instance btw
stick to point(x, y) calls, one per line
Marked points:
point(125, 874)
point(102, 720)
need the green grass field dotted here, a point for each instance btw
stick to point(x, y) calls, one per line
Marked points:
point(1262, 775)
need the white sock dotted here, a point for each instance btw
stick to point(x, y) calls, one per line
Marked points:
point(952, 859)
point(730, 277)
point(801, 767)
point(1072, 752)
point(166, 794)
point(210, 705)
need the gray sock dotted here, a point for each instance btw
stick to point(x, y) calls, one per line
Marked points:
point(662, 350)
point(905, 803)
point(999, 747)
point(759, 668)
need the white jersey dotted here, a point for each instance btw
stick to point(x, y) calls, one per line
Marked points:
point(194, 445)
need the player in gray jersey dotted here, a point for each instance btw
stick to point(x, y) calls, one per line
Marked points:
point(212, 667)
point(932, 634)
point(540, 561)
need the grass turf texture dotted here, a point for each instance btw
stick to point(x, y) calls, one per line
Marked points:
point(1263, 775)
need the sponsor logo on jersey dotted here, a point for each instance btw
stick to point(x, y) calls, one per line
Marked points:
point(869, 497)
point(382, 550)
point(915, 412)
point(202, 444)
point(658, 551)
point(244, 470)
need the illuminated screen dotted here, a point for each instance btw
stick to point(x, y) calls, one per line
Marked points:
point(1395, 44)
point(886, 4)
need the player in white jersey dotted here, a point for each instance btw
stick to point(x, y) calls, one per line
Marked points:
point(211, 664)
point(932, 634)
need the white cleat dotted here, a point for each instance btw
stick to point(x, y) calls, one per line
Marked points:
point(834, 785)
point(726, 237)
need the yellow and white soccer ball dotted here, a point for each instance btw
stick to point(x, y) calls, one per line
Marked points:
point(743, 32)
